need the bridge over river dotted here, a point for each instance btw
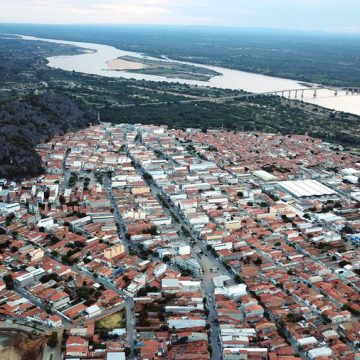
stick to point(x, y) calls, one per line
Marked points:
point(297, 93)
point(287, 93)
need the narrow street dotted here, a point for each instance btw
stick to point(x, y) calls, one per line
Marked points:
point(129, 302)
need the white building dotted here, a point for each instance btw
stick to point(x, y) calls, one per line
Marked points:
point(189, 264)
point(6, 208)
point(185, 322)
point(321, 351)
point(306, 188)
point(46, 223)
point(160, 270)
point(234, 291)
point(93, 310)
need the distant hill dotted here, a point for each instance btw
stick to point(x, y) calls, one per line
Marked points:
point(30, 121)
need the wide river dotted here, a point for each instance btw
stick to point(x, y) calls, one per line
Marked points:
point(95, 62)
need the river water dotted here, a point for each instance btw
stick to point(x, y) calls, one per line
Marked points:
point(95, 61)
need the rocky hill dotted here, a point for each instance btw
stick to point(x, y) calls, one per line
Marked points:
point(31, 120)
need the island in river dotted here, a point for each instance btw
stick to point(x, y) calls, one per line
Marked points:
point(168, 69)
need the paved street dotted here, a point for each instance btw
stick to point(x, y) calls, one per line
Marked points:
point(129, 302)
point(210, 264)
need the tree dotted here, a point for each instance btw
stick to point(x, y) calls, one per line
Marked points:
point(53, 340)
point(258, 261)
point(53, 276)
point(142, 292)
point(285, 218)
point(292, 317)
point(147, 177)
point(182, 340)
point(66, 260)
point(153, 230)
point(9, 218)
point(143, 321)
point(83, 292)
point(185, 231)
point(9, 281)
point(343, 263)
point(86, 260)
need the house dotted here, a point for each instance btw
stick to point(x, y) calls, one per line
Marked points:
point(92, 311)
point(338, 317)
point(54, 321)
point(188, 263)
point(253, 311)
point(114, 251)
point(59, 300)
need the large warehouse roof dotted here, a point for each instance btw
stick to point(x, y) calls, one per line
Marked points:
point(306, 188)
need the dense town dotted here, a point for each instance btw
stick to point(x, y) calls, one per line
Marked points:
point(142, 242)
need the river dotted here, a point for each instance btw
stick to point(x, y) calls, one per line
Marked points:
point(95, 61)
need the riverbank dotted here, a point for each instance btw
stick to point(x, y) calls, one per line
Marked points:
point(122, 100)
point(96, 64)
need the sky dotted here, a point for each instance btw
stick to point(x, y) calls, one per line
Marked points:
point(318, 15)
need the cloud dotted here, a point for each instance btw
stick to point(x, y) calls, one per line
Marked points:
point(331, 15)
point(133, 8)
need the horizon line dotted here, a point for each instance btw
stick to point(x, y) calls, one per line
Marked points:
point(204, 26)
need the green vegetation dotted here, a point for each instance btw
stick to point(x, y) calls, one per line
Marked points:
point(267, 114)
point(69, 100)
point(114, 321)
point(53, 340)
point(73, 179)
point(31, 120)
point(9, 281)
point(332, 59)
